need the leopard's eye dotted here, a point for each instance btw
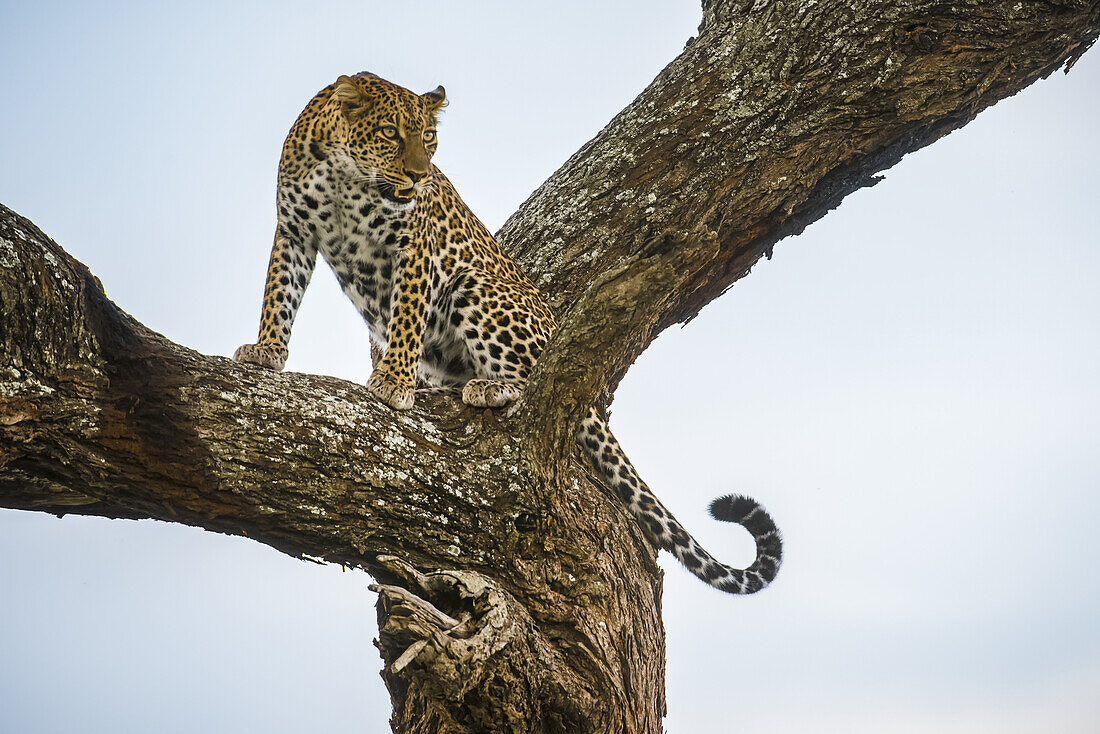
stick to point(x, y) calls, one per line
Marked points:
point(389, 131)
point(429, 136)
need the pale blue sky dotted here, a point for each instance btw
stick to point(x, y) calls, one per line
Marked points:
point(910, 386)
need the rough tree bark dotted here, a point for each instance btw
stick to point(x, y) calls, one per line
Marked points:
point(515, 594)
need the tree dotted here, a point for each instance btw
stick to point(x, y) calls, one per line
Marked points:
point(747, 137)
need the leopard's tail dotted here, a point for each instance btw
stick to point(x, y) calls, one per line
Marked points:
point(666, 532)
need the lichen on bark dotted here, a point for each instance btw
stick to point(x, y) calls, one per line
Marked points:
point(516, 594)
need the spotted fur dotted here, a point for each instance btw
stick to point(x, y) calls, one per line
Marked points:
point(444, 304)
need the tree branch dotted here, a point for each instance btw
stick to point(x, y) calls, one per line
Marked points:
point(99, 415)
point(600, 337)
point(765, 122)
point(515, 594)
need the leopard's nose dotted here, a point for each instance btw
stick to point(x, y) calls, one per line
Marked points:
point(415, 175)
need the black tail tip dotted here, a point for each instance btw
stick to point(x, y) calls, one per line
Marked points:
point(744, 511)
point(733, 508)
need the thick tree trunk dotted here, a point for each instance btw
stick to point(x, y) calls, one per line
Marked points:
point(548, 605)
point(515, 593)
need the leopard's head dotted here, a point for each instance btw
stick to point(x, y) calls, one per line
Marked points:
point(390, 133)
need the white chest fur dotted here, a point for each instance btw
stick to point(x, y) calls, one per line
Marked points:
point(356, 231)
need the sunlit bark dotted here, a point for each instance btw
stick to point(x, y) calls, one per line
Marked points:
point(515, 594)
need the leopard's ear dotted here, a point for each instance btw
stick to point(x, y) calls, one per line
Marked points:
point(348, 91)
point(435, 99)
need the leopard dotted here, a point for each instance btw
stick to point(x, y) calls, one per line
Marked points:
point(444, 304)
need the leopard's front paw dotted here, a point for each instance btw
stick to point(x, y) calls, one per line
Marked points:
point(273, 358)
point(391, 391)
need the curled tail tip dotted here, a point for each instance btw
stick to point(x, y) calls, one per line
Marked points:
point(732, 507)
point(751, 515)
point(744, 511)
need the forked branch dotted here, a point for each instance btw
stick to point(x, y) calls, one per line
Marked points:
point(524, 599)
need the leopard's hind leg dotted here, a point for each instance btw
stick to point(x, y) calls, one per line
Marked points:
point(484, 393)
point(503, 328)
